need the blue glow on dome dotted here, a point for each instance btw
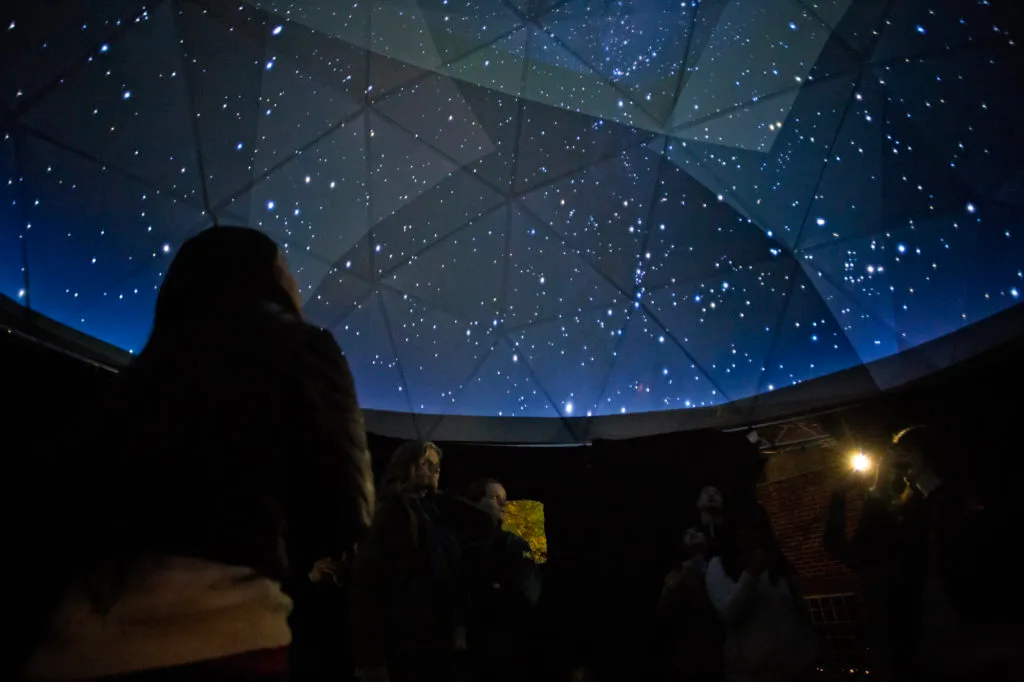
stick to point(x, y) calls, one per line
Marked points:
point(536, 208)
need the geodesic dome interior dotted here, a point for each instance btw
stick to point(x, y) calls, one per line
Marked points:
point(530, 208)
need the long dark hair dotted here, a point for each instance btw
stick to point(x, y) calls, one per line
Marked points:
point(755, 533)
point(397, 475)
point(222, 284)
point(218, 277)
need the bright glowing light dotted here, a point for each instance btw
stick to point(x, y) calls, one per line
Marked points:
point(860, 462)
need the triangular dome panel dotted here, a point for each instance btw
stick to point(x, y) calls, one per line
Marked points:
point(429, 342)
point(462, 274)
point(547, 279)
point(435, 111)
point(693, 233)
point(128, 108)
point(308, 269)
point(727, 321)
point(346, 20)
point(12, 258)
point(400, 30)
point(402, 167)
point(915, 27)
point(497, 66)
point(731, 73)
point(776, 187)
point(460, 29)
point(226, 125)
point(303, 100)
point(855, 23)
point(653, 373)
point(556, 142)
point(951, 92)
point(318, 199)
point(849, 200)
point(365, 340)
point(575, 355)
point(648, 71)
point(872, 332)
point(499, 114)
point(909, 275)
point(1000, 248)
point(504, 387)
point(35, 53)
point(339, 293)
point(807, 341)
point(455, 201)
point(109, 317)
point(91, 229)
point(558, 77)
point(602, 211)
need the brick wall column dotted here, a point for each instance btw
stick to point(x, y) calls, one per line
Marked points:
point(797, 506)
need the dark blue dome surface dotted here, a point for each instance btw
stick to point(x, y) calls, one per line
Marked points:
point(531, 208)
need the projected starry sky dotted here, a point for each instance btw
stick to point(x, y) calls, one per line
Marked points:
point(533, 208)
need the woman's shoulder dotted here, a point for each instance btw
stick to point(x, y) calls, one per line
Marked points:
point(297, 331)
point(308, 349)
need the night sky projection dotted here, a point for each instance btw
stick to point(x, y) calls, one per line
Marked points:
point(532, 208)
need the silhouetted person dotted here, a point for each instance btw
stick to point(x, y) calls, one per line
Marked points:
point(231, 457)
point(924, 551)
point(769, 636)
point(875, 552)
point(694, 632)
point(505, 587)
point(409, 591)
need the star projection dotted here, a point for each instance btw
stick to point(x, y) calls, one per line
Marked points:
point(531, 208)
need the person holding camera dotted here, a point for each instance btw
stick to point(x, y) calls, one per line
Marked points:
point(921, 547)
point(769, 635)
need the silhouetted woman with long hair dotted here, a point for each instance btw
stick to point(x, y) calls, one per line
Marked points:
point(231, 458)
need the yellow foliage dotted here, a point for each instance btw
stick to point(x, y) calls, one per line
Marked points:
point(525, 518)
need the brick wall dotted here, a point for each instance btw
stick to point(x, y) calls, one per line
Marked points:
point(797, 506)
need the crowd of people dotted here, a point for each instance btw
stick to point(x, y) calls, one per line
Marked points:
point(734, 609)
point(225, 526)
point(226, 521)
point(922, 546)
